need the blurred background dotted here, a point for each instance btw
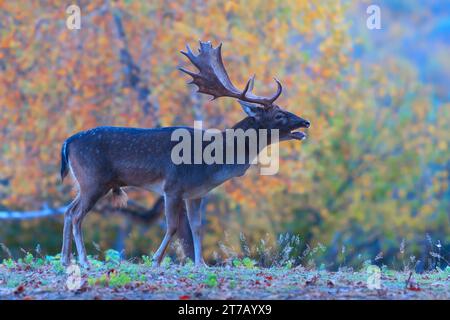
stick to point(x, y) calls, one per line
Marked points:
point(370, 183)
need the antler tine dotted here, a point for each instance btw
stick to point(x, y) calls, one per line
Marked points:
point(248, 86)
point(252, 82)
point(192, 74)
point(261, 100)
point(278, 93)
point(191, 56)
point(204, 45)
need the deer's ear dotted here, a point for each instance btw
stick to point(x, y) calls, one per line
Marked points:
point(252, 110)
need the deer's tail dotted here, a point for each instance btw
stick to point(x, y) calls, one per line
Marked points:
point(64, 159)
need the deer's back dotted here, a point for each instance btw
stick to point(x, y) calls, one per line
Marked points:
point(121, 156)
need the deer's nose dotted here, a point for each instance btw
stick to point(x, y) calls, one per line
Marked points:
point(306, 123)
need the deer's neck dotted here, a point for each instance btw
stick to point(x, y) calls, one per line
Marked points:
point(225, 171)
point(247, 123)
point(238, 167)
point(250, 123)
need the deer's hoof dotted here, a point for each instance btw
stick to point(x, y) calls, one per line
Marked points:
point(85, 264)
point(156, 263)
point(65, 262)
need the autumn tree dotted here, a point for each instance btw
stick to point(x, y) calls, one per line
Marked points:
point(373, 171)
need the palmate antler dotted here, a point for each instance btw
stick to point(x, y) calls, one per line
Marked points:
point(213, 79)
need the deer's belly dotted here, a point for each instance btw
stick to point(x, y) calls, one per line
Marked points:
point(198, 191)
point(157, 186)
point(213, 181)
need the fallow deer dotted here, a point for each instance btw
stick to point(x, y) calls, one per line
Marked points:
point(107, 159)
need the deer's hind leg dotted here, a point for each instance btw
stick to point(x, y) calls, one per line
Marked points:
point(88, 198)
point(66, 250)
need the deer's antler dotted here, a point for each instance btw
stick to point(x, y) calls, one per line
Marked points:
point(213, 79)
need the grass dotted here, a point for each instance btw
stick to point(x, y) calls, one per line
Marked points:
point(286, 270)
point(241, 278)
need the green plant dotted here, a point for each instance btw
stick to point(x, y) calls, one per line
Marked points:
point(366, 264)
point(28, 258)
point(211, 280)
point(39, 262)
point(288, 264)
point(97, 264)
point(112, 257)
point(9, 263)
point(166, 262)
point(117, 279)
point(189, 263)
point(91, 281)
point(55, 262)
point(386, 271)
point(248, 263)
point(133, 271)
point(191, 276)
point(14, 281)
point(148, 262)
point(102, 281)
point(237, 263)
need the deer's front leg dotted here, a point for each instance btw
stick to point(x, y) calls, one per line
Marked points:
point(194, 211)
point(185, 234)
point(171, 204)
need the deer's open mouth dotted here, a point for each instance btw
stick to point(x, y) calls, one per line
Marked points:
point(297, 135)
point(294, 134)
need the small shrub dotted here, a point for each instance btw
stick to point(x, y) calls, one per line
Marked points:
point(167, 261)
point(148, 262)
point(91, 281)
point(130, 269)
point(28, 259)
point(211, 280)
point(248, 263)
point(237, 263)
point(191, 276)
point(189, 263)
point(97, 264)
point(9, 263)
point(119, 279)
point(39, 262)
point(101, 281)
point(14, 281)
point(112, 257)
point(55, 262)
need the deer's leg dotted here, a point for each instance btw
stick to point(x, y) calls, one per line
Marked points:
point(171, 203)
point(194, 214)
point(87, 202)
point(185, 234)
point(67, 233)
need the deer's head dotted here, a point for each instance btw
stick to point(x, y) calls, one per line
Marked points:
point(212, 79)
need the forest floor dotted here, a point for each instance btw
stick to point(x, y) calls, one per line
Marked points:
point(45, 278)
